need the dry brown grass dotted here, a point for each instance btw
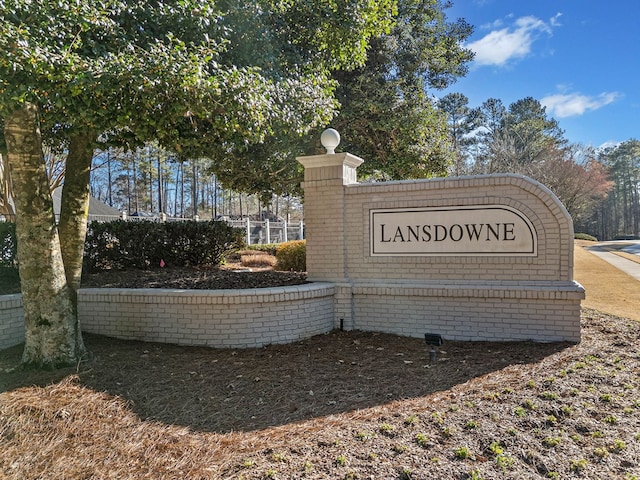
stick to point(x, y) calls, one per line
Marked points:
point(607, 288)
point(257, 259)
point(343, 405)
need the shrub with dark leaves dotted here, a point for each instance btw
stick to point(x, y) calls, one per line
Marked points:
point(121, 245)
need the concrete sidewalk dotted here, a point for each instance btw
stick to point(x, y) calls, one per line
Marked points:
point(603, 250)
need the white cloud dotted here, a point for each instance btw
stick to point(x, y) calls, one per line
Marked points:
point(555, 20)
point(493, 25)
point(498, 47)
point(573, 104)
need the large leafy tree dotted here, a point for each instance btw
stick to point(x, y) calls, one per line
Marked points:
point(79, 73)
point(532, 130)
point(462, 120)
point(387, 115)
point(72, 72)
point(514, 139)
point(620, 214)
point(302, 42)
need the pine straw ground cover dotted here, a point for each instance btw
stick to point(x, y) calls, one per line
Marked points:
point(343, 405)
point(346, 405)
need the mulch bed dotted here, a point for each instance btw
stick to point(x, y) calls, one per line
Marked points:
point(194, 278)
point(248, 389)
point(340, 405)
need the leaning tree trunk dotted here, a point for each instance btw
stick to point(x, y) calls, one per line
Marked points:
point(74, 211)
point(52, 337)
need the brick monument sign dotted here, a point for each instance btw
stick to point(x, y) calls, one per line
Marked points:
point(469, 258)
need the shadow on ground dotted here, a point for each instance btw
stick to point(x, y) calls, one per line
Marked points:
point(243, 390)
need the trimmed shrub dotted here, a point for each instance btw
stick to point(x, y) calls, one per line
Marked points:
point(585, 236)
point(122, 245)
point(269, 248)
point(200, 243)
point(292, 256)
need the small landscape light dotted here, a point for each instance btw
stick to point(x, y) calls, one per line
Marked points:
point(433, 340)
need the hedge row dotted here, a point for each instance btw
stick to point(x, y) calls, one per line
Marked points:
point(122, 245)
point(585, 236)
point(269, 248)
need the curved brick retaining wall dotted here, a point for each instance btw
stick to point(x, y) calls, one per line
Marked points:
point(215, 318)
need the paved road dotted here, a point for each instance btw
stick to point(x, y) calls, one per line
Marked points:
point(633, 248)
point(603, 250)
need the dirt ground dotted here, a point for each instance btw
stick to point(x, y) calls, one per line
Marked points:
point(346, 405)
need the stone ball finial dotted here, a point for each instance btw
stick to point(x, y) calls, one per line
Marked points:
point(330, 139)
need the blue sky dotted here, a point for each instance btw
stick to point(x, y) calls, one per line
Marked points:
point(579, 58)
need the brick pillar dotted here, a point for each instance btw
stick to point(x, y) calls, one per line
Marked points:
point(325, 179)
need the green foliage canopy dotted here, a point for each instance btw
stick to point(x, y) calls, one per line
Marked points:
point(532, 130)
point(126, 72)
point(387, 116)
point(299, 44)
point(179, 71)
point(384, 114)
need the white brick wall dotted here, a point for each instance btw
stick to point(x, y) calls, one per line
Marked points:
point(469, 312)
point(215, 318)
point(11, 321)
point(460, 297)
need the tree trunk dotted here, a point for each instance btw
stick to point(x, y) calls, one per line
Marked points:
point(6, 194)
point(52, 337)
point(110, 183)
point(161, 207)
point(74, 211)
point(194, 188)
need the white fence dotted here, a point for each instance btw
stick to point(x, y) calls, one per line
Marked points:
point(269, 231)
